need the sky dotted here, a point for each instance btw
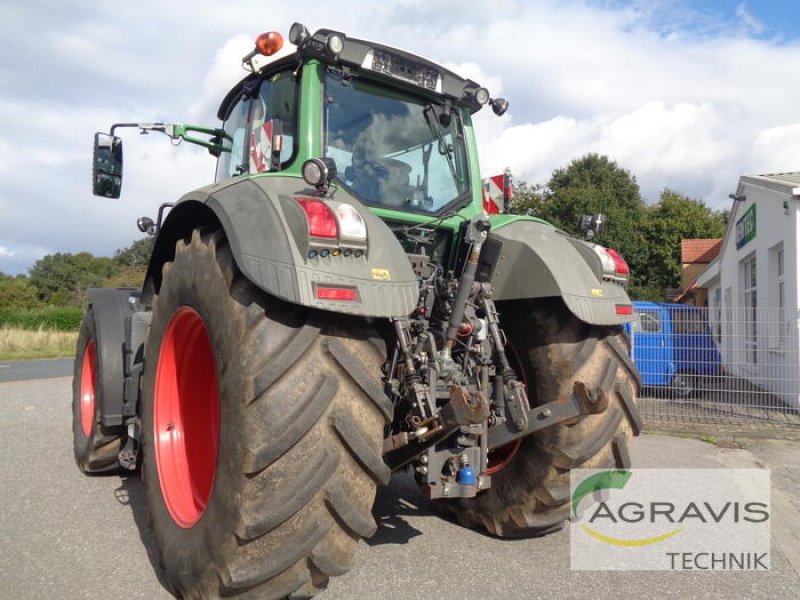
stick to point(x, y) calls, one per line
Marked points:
point(684, 94)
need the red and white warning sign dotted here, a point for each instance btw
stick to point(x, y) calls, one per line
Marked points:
point(497, 193)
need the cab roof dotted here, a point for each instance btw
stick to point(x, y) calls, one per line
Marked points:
point(378, 62)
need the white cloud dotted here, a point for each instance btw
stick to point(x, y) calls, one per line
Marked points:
point(664, 146)
point(5, 252)
point(777, 150)
point(678, 96)
point(673, 146)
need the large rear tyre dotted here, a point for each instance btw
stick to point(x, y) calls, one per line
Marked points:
point(95, 450)
point(262, 433)
point(530, 482)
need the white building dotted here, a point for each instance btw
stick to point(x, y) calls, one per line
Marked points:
point(753, 295)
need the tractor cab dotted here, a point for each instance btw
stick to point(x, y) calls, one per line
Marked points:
point(396, 128)
point(391, 128)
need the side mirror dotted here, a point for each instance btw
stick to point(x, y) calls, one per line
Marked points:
point(107, 166)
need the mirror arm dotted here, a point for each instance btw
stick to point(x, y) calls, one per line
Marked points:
point(216, 143)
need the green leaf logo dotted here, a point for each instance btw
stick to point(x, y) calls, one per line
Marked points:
point(599, 481)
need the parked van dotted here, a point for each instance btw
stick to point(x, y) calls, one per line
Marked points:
point(672, 346)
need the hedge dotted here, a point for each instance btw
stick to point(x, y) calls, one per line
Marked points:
point(59, 318)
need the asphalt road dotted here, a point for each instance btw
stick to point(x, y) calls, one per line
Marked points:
point(23, 370)
point(65, 535)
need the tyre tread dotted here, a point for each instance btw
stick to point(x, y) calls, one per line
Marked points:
point(354, 439)
point(285, 428)
point(308, 454)
point(368, 383)
point(269, 510)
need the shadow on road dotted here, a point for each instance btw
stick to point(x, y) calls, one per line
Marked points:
point(131, 493)
point(393, 504)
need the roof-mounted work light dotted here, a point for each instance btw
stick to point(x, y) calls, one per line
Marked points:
point(479, 96)
point(298, 34)
point(499, 106)
point(319, 172)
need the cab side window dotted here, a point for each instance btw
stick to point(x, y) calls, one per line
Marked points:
point(273, 121)
point(261, 127)
point(229, 163)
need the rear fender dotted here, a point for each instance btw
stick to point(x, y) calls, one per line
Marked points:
point(537, 261)
point(110, 308)
point(268, 235)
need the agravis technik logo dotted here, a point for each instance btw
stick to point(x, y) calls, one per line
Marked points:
point(680, 519)
point(604, 481)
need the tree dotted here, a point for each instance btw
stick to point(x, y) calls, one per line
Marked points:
point(589, 185)
point(17, 292)
point(137, 254)
point(126, 277)
point(528, 199)
point(673, 218)
point(62, 278)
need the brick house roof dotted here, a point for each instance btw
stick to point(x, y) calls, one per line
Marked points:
point(699, 251)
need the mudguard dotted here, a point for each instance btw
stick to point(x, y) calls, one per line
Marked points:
point(268, 234)
point(536, 260)
point(110, 307)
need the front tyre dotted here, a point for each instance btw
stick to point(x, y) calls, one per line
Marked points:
point(262, 433)
point(95, 450)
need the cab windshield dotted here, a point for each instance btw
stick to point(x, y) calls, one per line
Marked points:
point(394, 151)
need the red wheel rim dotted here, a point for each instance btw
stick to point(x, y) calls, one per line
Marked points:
point(88, 378)
point(186, 417)
point(499, 457)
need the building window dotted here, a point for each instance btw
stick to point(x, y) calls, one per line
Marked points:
point(779, 321)
point(727, 336)
point(749, 321)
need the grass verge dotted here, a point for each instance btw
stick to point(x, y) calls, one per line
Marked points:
point(22, 344)
point(63, 318)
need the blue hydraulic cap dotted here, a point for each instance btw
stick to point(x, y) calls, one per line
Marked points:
point(466, 476)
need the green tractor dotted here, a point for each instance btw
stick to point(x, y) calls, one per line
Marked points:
point(337, 306)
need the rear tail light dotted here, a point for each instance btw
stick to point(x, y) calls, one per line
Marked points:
point(620, 265)
point(321, 220)
point(335, 229)
point(351, 223)
point(337, 293)
point(614, 266)
point(605, 259)
point(624, 309)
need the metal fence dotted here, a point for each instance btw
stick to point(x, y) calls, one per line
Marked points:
point(719, 365)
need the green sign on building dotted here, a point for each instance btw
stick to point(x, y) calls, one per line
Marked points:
point(746, 227)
